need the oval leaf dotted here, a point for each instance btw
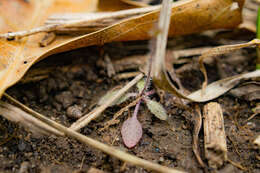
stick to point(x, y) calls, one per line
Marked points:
point(131, 132)
point(157, 109)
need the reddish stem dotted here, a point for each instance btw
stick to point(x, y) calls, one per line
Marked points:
point(137, 109)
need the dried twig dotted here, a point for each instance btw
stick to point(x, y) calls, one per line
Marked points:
point(82, 122)
point(214, 135)
point(161, 41)
point(89, 19)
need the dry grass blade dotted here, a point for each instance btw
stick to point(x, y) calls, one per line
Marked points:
point(220, 51)
point(220, 87)
point(82, 122)
point(96, 144)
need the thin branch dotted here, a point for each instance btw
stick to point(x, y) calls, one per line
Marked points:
point(161, 39)
point(96, 18)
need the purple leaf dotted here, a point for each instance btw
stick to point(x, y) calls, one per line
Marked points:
point(131, 132)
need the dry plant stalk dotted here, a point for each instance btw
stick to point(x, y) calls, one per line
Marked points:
point(214, 135)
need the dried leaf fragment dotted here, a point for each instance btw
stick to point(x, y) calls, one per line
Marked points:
point(214, 135)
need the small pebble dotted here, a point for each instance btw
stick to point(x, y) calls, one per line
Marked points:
point(74, 112)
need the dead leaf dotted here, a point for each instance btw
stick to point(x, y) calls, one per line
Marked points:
point(16, 57)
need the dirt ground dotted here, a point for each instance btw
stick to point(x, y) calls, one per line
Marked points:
point(77, 78)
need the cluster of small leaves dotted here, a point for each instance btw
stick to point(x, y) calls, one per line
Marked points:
point(132, 129)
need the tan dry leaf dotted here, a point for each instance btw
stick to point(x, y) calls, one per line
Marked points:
point(16, 57)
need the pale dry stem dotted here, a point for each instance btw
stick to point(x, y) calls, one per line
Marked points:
point(216, 51)
point(98, 18)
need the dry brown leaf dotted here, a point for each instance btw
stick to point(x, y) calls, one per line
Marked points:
point(16, 57)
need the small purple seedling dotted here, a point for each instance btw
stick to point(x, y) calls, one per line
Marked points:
point(132, 129)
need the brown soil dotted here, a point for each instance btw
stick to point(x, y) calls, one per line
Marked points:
point(169, 142)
